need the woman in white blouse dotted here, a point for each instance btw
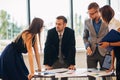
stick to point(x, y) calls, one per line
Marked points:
point(107, 14)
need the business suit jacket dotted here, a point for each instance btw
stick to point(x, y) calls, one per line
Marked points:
point(51, 49)
point(91, 38)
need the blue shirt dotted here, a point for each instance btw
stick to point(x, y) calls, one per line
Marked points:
point(97, 25)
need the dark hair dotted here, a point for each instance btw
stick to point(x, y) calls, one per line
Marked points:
point(63, 18)
point(93, 5)
point(107, 13)
point(36, 25)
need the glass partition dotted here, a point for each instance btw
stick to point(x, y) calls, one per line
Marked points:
point(13, 19)
point(48, 10)
point(80, 14)
point(116, 6)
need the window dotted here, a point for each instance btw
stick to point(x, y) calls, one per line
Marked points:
point(116, 6)
point(48, 10)
point(13, 19)
point(13, 16)
point(79, 15)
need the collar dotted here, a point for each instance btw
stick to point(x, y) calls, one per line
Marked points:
point(111, 21)
point(99, 21)
point(61, 32)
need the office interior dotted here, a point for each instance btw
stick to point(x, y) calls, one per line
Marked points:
point(16, 15)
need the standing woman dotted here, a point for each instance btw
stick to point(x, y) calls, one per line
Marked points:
point(12, 63)
point(107, 14)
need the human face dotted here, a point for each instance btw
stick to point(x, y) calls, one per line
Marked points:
point(93, 13)
point(60, 25)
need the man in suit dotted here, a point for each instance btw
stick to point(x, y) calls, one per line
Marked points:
point(94, 31)
point(54, 51)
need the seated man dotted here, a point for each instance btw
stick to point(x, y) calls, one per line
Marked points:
point(59, 51)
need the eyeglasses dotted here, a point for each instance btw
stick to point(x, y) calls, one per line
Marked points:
point(92, 13)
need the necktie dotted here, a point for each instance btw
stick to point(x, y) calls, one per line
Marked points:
point(60, 56)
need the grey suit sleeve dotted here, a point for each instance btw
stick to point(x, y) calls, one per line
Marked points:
point(86, 35)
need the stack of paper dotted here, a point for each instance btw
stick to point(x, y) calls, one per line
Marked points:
point(72, 73)
point(60, 70)
point(51, 72)
point(99, 73)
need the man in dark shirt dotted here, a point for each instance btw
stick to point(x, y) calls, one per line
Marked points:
point(59, 51)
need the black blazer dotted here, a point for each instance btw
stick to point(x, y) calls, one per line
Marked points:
point(52, 46)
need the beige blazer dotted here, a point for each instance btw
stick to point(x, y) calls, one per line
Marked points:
point(91, 38)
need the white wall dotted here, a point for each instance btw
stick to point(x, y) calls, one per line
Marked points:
point(80, 60)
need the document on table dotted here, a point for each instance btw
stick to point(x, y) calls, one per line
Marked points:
point(59, 70)
point(99, 73)
point(72, 73)
point(64, 72)
point(51, 72)
point(45, 74)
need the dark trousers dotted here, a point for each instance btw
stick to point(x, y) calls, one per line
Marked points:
point(118, 69)
point(93, 60)
point(117, 75)
point(56, 65)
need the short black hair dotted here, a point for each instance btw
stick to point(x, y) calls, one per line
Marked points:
point(63, 18)
point(107, 13)
point(93, 5)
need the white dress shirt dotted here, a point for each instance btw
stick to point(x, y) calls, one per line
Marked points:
point(114, 24)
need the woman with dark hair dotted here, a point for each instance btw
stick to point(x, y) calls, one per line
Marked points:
point(107, 14)
point(12, 63)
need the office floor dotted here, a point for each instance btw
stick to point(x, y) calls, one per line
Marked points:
point(80, 63)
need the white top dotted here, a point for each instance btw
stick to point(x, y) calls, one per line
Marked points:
point(114, 24)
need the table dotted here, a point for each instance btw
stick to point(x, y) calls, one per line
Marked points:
point(78, 73)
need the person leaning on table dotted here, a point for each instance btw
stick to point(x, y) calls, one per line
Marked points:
point(59, 51)
point(94, 30)
point(107, 14)
point(11, 59)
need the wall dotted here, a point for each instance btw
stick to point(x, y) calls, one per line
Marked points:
point(80, 60)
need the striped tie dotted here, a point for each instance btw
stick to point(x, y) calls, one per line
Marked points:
point(60, 56)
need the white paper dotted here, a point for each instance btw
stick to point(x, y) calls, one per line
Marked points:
point(72, 73)
point(99, 73)
point(51, 72)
